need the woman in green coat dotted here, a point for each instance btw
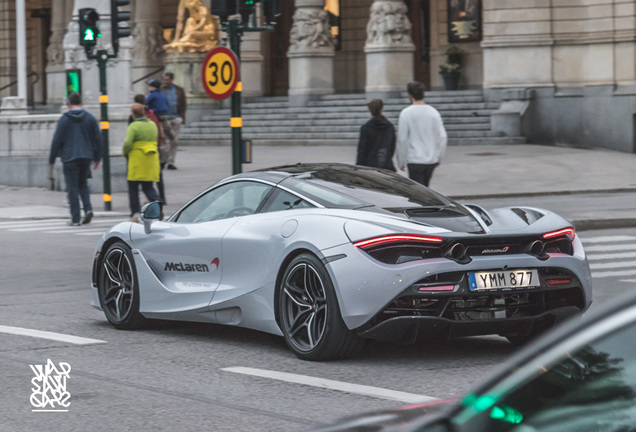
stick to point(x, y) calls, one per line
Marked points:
point(140, 148)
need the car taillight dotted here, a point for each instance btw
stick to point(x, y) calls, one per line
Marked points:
point(401, 248)
point(560, 241)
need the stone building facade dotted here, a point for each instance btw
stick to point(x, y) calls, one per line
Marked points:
point(563, 70)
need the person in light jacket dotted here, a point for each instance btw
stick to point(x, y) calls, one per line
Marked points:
point(421, 136)
point(140, 148)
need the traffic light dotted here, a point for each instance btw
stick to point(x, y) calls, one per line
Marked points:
point(88, 27)
point(223, 9)
point(246, 8)
point(271, 10)
point(117, 16)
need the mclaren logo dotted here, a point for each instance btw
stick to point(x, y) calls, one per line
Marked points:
point(185, 267)
point(495, 251)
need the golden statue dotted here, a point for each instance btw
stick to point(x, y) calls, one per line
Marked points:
point(201, 32)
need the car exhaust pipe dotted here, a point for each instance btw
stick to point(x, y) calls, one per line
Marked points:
point(457, 252)
point(537, 248)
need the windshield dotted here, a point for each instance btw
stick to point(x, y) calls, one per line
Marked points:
point(356, 188)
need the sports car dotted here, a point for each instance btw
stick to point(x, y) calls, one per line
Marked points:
point(329, 255)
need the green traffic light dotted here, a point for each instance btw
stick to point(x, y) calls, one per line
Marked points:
point(89, 35)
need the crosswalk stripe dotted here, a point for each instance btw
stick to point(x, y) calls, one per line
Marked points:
point(76, 230)
point(614, 273)
point(611, 248)
point(620, 264)
point(628, 280)
point(602, 257)
point(606, 239)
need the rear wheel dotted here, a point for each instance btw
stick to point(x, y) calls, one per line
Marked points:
point(118, 288)
point(309, 313)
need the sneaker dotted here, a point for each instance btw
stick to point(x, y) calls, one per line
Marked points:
point(135, 218)
point(70, 223)
point(172, 167)
point(87, 218)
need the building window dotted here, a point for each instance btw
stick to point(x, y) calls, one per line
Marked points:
point(464, 21)
point(333, 8)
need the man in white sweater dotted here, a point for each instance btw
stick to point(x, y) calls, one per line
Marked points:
point(421, 136)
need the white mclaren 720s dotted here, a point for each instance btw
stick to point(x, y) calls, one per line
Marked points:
point(329, 255)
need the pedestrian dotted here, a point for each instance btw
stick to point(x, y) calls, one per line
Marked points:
point(140, 148)
point(177, 105)
point(421, 136)
point(141, 99)
point(377, 139)
point(78, 142)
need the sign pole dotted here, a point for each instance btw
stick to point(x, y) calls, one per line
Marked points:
point(237, 121)
point(102, 57)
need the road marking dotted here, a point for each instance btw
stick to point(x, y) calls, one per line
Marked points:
point(599, 257)
point(611, 248)
point(612, 265)
point(607, 239)
point(79, 231)
point(614, 273)
point(333, 385)
point(628, 280)
point(49, 335)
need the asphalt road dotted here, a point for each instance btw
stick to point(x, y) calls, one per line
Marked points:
point(174, 376)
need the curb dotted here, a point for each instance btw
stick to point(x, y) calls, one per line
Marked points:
point(546, 193)
point(599, 224)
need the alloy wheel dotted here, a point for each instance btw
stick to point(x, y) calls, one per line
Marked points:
point(117, 284)
point(304, 307)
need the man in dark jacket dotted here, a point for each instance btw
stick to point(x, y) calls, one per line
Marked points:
point(377, 139)
point(78, 142)
point(177, 105)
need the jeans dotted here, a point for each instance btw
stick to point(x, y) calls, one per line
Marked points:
point(133, 194)
point(421, 173)
point(75, 174)
point(171, 130)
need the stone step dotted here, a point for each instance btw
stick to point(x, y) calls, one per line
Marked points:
point(320, 134)
point(218, 141)
point(335, 111)
point(352, 122)
point(249, 128)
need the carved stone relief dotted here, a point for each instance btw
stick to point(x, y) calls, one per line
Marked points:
point(389, 25)
point(310, 31)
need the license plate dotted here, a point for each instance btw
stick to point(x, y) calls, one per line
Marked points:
point(520, 278)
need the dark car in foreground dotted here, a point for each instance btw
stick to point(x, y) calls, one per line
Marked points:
point(577, 378)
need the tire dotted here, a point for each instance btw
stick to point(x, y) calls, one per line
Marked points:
point(309, 314)
point(118, 288)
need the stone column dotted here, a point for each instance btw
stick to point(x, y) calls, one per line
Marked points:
point(147, 50)
point(389, 49)
point(252, 64)
point(61, 14)
point(17, 105)
point(311, 53)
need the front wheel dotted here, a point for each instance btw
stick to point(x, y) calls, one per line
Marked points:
point(309, 313)
point(118, 288)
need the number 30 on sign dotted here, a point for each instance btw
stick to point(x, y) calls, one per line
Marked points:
point(220, 73)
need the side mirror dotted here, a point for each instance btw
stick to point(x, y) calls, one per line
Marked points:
point(150, 213)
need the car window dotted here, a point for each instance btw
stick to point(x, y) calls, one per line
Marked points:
point(592, 389)
point(282, 200)
point(229, 200)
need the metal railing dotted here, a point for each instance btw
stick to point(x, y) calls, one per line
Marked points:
point(148, 75)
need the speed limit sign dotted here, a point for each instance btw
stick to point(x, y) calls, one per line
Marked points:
point(220, 73)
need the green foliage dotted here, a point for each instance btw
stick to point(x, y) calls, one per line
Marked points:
point(454, 60)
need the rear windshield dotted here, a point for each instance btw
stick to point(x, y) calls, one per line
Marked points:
point(355, 188)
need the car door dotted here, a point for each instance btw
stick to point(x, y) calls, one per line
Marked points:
point(186, 253)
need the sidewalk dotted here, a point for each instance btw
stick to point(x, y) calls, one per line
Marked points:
point(467, 173)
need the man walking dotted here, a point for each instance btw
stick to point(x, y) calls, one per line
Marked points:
point(176, 99)
point(78, 142)
point(421, 136)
